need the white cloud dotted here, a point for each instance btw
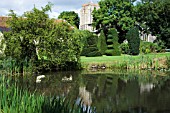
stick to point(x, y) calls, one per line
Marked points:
point(21, 6)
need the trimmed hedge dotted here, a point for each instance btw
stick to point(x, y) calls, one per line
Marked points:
point(102, 43)
point(90, 46)
point(113, 45)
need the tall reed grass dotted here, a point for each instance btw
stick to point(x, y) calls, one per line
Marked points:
point(139, 63)
point(16, 100)
point(11, 67)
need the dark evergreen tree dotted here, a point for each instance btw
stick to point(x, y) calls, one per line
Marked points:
point(102, 43)
point(133, 40)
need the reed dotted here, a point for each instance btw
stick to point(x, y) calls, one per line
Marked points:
point(138, 63)
point(16, 100)
point(168, 62)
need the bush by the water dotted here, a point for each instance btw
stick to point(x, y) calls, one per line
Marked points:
point(34, 36)
point(112, 43)
point(133, 39)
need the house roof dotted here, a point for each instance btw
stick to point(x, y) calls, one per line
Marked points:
point(3, 21)
point(90, 3)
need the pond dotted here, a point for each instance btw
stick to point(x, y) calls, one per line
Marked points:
point(109, 91)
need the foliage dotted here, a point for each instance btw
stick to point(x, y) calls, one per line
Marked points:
point(153, 17)
point(34, 35)
point(102, 43)
point(90, 45)
point(71, 17)
point(64, 46)
point(25, 32)
point(147, 47)
point(112, 42)
point(133, 40)
point(116, 14)
point(160, 46)
point(124, 48)
point(168, 62)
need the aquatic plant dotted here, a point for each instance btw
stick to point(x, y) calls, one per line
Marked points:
point(16, 100)
point(168, 62)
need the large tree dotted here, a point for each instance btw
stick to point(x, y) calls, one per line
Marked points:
point(154, 17)
point(34, 35)
point(114, 14)
point(71, 17)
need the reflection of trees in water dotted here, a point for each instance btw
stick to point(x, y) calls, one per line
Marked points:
point(85, 96)
point(119, 93)
point(112, 92)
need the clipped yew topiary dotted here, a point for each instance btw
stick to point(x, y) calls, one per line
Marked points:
point(90, 48)
point(102, 43)
point(133, 39)
point(112, 43)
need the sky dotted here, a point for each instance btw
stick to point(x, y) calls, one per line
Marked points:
point(21, 6)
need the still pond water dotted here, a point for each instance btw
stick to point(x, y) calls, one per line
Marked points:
point(116, 91)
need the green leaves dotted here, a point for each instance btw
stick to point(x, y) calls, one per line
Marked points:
point(154, 17)
point(114, 13)
point(34, 35)
point(133, 40)
point(71, 17)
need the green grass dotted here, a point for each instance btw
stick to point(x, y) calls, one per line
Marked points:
point(126, 61)
point(107, 59)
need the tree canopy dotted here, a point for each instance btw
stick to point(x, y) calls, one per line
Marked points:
point(71, 17)
point(34, 37)
point(154, 17)
point(114, 14)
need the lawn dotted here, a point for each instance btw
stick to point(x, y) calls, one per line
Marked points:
point(109, 59)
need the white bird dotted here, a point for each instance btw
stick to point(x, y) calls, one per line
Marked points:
point(67, 78)
point(38, 79)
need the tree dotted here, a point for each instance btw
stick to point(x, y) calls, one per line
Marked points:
point(71, 17)
point(116, 14)
point(90, 48)
point(112, 43)
point(133, 40)
point(36, 38)
point(102, 43)
point(154, 17)
point(25, 32)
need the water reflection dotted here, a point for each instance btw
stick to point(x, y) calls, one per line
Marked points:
point(109, 91)
point(85, 96)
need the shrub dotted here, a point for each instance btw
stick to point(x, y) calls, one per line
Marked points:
point(168, 62)
point(133, 40)
point(113, 45)
point(94, 53)
point(90, 48)
point(160, 46)
point(102, 43)
point(147, 47)
point(124, 48)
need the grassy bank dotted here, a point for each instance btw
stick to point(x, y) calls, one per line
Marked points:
point(148, 61)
